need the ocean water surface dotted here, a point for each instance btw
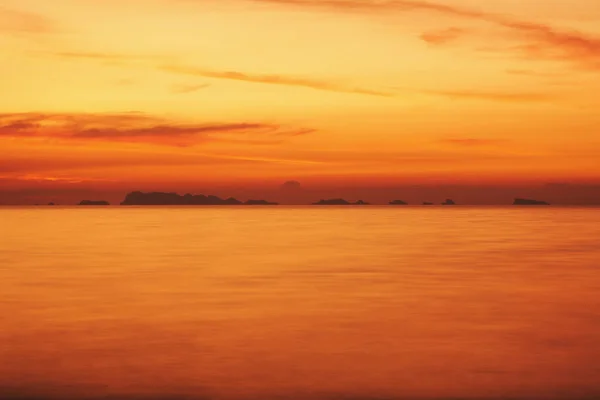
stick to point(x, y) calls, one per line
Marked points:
point(300, 302)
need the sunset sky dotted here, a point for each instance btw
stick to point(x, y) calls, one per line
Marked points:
point(119, 95)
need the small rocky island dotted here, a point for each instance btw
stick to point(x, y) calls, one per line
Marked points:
point(94, 203)
point(173, 199)
point(398, 203)
point(529, 202)
point(339, 202)
point(449, 202)
point(259, 203)
point(426, 203)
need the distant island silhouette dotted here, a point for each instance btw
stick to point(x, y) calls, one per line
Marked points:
point(139, 198)
point(94, 203)
point(259, 203)
point(173, 199)
point(339, 202)
point(529, 202)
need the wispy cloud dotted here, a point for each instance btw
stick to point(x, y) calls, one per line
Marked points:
point(25, 22)
point(137, 128)
point(107, 56)
point(529, 72)
point(544, 40)
point(273, 80)
point(296, 132)
point(375, 6)
point(484, 95)
point(42, 163)
point(183, 88)
point(473, 142)
point(442, 36)
point(517, 97)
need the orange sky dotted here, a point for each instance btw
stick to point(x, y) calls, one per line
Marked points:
point(117, 93)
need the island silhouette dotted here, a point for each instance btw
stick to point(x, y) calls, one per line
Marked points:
point(94, 203)
point(138, 198)
point(529, 202)
point(259, 203)
point(339, 202)
point(173, 199)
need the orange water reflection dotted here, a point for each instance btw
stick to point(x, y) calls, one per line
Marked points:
point(305, 302)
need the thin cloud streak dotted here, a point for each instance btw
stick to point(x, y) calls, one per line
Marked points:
point(384, 6)
point(473, 142)
point(559, 44)
point(443, 36)
point(188, 88)
point(43, 162)
point(491, 96)
point(108, 57)
point(464, 94)
point(272, 80)
point(529, 73)
point(25, 22)
point(18, 165)
point(137, 128)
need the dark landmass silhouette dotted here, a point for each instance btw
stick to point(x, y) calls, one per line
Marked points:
point(529, 202)
point(173, 199)
point(58, 393)
point(293, 185)
point(140, 198)
point(332, 202)
point(339, 202)
point(94, 203)
point(259, 203)
point(293, 193)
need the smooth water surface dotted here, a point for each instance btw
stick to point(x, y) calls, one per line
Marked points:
point(301, 302)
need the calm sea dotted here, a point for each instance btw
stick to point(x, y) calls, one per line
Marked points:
point(300, 302)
